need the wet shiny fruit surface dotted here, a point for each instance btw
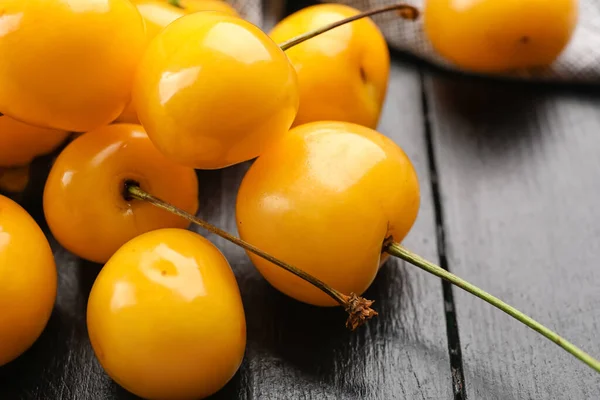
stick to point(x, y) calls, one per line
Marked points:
point(343, 74)
point(324, 199)
point(68, 64)
point(491, 36)
point(84, 200)
point(165, 317)
point(27, 280)
point(21, 143)
point(214, 90)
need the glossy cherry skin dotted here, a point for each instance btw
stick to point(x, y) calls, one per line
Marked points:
point(343, 74)
point(324, 198)
point(156, 15)
point(491, 36)
point(192, 6)
point(165, 317)
point(84, 201)
point(68, 64)
point(27, 280)
point(214, 90)
point(21, 143)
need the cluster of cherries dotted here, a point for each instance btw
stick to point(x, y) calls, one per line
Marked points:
point(155, 91)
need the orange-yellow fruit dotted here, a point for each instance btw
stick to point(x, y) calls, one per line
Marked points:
point(492, 36)
point(325, 198)
point(68, 64)
point(27, 280)
point(84, 200)
point(165, 317)
point(343, 74)
point(214, 90)
point(21, 143)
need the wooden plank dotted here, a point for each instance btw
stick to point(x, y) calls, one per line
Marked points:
point(519, 172)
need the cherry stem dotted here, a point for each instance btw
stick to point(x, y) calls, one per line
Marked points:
point(357, 307)
point(404, 10)
point(397, 250)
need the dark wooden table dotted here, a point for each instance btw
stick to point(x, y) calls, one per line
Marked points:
point(510, 178)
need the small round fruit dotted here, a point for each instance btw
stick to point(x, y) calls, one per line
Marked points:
point(27, 280)
point(165, 317)
point(490, 36)
point(68, 64)
point(21, 143)
point(192, 6)
point(214, 90)
point(156, 15)
point(324, 199)
point(84, 198)
point(343, 74)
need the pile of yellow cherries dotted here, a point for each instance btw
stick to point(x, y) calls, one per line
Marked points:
point(152, 90)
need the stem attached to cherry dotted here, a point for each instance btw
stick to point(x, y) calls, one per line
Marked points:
point(358, 308)
point(397, 250)
point(404, 10)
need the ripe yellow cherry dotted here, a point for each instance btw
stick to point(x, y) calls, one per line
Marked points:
point(492, 36)
point(156, 15)
point(213, 90)
point(324, 198)
point(192, 6)
point(165, 317)
point(68, 64)
point(27, 280)
point(21, 143)
point(343, 74)
point(84, 200)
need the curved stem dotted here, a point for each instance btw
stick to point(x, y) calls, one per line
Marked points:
point(404, 10)
point(357, 307)
point(176, 3)
point(397, 250)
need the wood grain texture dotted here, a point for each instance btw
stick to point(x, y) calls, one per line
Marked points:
point(519, 174)
point(294, 350)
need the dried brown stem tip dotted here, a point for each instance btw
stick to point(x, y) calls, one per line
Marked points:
point(359, 311)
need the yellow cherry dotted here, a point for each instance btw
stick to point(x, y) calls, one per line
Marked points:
point(165, 317)
point(324, 198)
point(192, 6)
point(342, 74)
point(27, 280)
point(68, 64)
point(84, 200)
point(156, 15)
point(214, 90)
point(496, 36)
point(20, 143)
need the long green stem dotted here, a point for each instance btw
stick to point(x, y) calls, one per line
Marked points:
point(357, 307)
point(404, 10)
point(397, 250)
